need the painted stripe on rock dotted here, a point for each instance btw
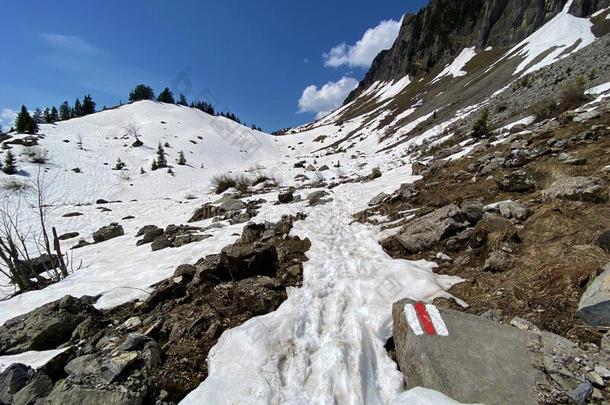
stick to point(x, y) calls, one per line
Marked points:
point(424, 319)
point(412, 320)
point(437, 320)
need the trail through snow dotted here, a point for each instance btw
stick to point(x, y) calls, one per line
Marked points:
point(325, 344)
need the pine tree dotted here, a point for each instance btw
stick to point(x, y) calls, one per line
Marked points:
point(120, 165)
point(161, 160)
point(142, 171)
point(54, 114)
point(77, 111)
point(9, 166)
point(64, 111)
point(182, 100)
point(47, 116)
point(166, 96)
point(181, 159)
point(480, 128)
point(37, 116)
point(153, 165)
point(170, 171)
point(88, 105)
point(141, 92)
point(25, 123)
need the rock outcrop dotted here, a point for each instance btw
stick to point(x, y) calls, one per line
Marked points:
point(430, 229)
point(46, 327)
point(439, 31)
point(153, 351)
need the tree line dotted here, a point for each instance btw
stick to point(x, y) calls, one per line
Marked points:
point(28, 123)
point(145, 92)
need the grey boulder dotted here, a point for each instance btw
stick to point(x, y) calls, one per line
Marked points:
point(13, 379)
point(594, 305)
point(44, 328)
point(577, 189)
point(426, 231)
point(105, 233)
point(480, 361)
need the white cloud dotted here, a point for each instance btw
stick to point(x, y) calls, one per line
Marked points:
point(7, 118)
point(69, 43)
point(324, 100)
point(364, 51)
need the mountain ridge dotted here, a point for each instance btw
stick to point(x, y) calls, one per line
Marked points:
point(436, 34)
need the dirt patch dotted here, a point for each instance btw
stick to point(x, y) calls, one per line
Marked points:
point(555, 254)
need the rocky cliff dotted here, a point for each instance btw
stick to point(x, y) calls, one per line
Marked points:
point(437, 33)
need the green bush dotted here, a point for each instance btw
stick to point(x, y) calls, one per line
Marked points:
point(480, 128)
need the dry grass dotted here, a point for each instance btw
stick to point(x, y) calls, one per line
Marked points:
point(556, 255)
point(223, 182)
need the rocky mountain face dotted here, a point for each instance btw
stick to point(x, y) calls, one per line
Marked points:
point(437, 33)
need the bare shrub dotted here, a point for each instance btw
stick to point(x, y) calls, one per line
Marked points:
point(242, 182)
point(20, 239)
point(545, 108)
point(573, 95)
point(225, 181)
point(132, 130)
point(15, 186)
point(37, 155)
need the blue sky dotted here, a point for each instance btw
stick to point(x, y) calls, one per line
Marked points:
point(267, 61)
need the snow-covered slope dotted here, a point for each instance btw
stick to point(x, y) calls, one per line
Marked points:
point(211, 145)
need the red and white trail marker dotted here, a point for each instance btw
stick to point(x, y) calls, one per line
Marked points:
point(425, 319)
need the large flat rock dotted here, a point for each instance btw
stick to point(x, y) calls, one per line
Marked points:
point(470, 359)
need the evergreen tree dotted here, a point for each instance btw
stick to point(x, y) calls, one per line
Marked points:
point(64, 111)
point(47, 116)
point(166, 96)
point(88, 105)
point(141, 92)
point(10, 166)
point(54, 114)
point(182, 100)
point(120, 165)
point(77, 111)
point(37, 116)
point(480, 128)
point(203, 106)
point(161, 160)
point(142, 171)
point(153, 165)
point(181, 159)
point(25, 123)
